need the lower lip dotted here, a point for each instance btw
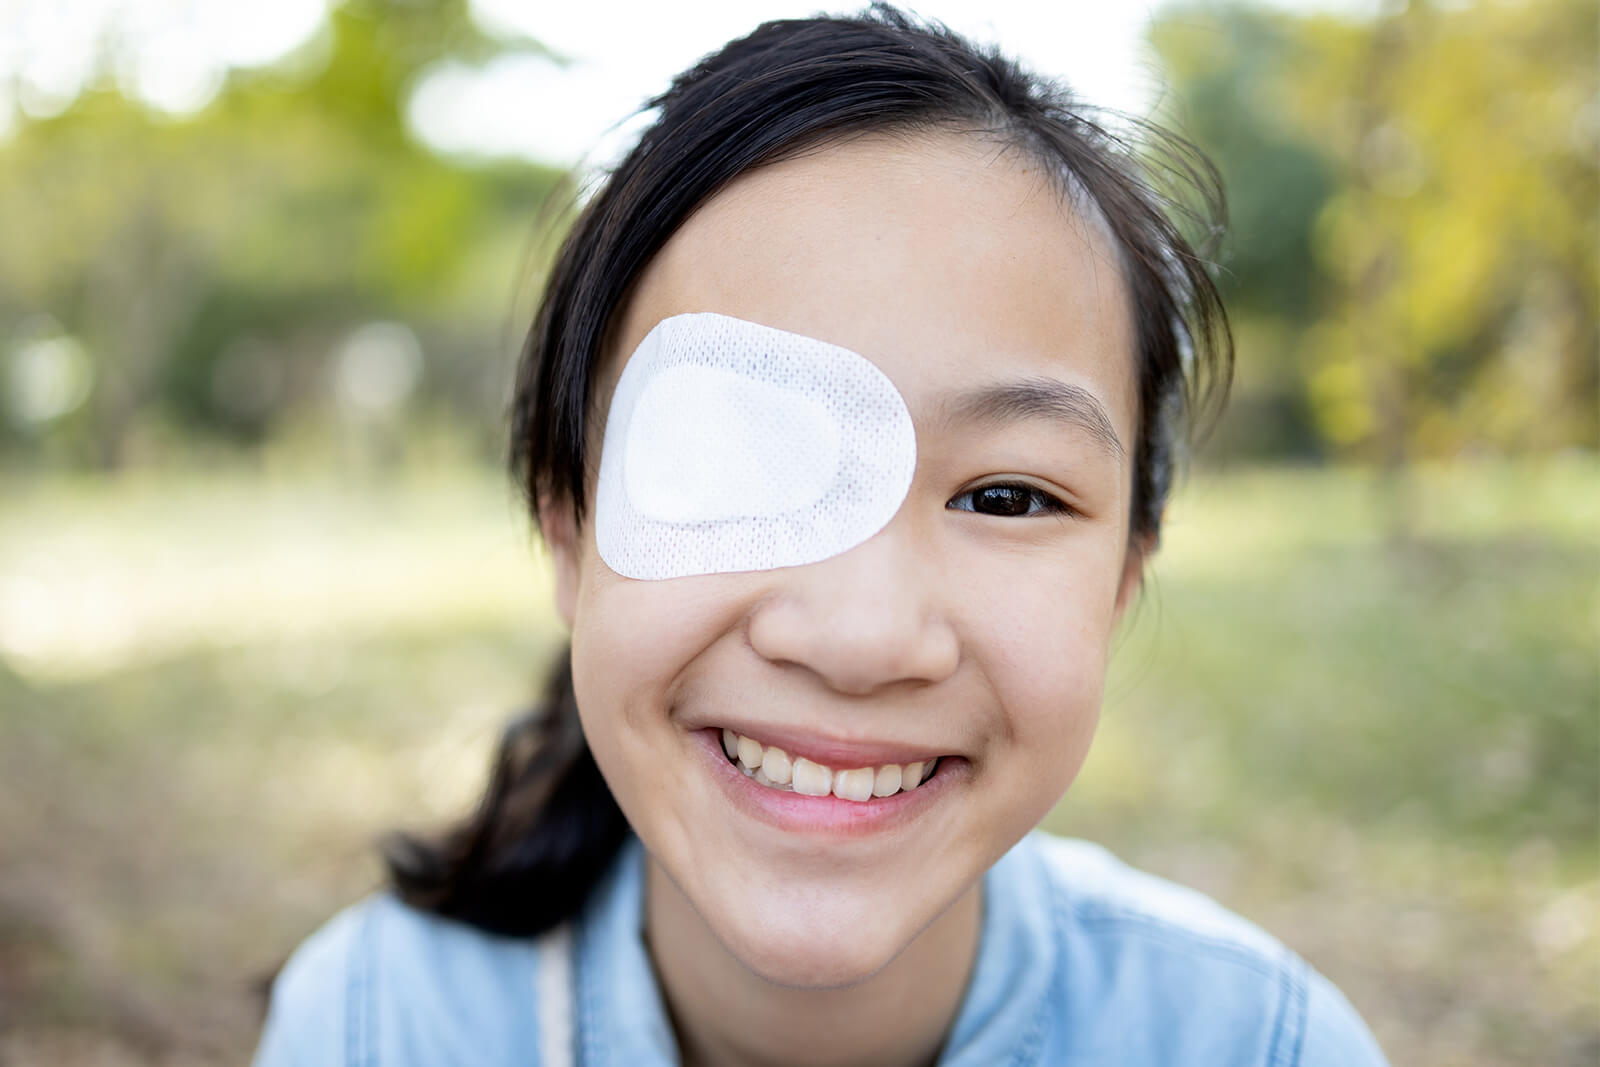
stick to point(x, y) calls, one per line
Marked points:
point(825, 815)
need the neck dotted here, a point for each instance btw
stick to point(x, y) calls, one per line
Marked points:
point(725, 1014)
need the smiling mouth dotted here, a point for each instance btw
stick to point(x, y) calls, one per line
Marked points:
point(774, 768)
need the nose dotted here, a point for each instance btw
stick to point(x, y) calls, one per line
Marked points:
point(862, 620)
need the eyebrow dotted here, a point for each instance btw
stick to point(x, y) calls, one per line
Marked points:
point(1039, 398)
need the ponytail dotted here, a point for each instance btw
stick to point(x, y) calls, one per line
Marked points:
point(546, 830)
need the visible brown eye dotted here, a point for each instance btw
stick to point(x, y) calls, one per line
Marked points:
point(1006, 500)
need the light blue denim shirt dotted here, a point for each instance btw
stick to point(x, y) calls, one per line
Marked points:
point(1082, 960)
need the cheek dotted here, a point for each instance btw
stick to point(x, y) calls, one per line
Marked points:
point(631, 641)
point(1043, 637)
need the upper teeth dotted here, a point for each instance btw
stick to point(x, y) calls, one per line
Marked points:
point(772, 766)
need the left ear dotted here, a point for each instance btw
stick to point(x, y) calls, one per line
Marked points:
point(1139, 551)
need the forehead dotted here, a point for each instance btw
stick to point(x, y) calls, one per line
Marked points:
point(948, 260)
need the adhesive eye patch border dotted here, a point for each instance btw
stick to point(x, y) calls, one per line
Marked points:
point(732, 446)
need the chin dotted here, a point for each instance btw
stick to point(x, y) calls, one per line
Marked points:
point(821, 964)
point(820, 938)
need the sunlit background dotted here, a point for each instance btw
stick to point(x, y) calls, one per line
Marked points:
point(264, 593)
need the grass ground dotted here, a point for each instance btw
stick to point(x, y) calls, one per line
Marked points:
point(214, 694)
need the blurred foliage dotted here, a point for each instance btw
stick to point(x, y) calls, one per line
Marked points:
point(211, 266)
point(1413, 256)
point(1411, 263)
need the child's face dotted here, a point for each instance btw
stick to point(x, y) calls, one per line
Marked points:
point(958, 632)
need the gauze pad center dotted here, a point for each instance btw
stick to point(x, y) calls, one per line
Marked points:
point(732, 446)
point(769, 450)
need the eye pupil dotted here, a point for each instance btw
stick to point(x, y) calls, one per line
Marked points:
point(1002, 500)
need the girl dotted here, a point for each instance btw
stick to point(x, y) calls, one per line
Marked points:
point(848, 416)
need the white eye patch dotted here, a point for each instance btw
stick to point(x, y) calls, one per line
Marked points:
point(732, 446)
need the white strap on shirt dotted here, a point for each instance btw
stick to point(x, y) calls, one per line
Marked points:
point(554, 997)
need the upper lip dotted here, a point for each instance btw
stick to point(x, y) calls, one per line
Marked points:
point(835, 752)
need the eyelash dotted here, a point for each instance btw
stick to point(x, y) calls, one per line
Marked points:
point(1039, 502)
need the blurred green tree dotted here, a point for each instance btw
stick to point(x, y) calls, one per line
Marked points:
point(1414, 196)
point(210, 263)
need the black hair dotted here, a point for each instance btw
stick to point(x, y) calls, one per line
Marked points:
point(548, 826)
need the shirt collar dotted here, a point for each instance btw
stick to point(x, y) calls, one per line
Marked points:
point(621, 1018)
